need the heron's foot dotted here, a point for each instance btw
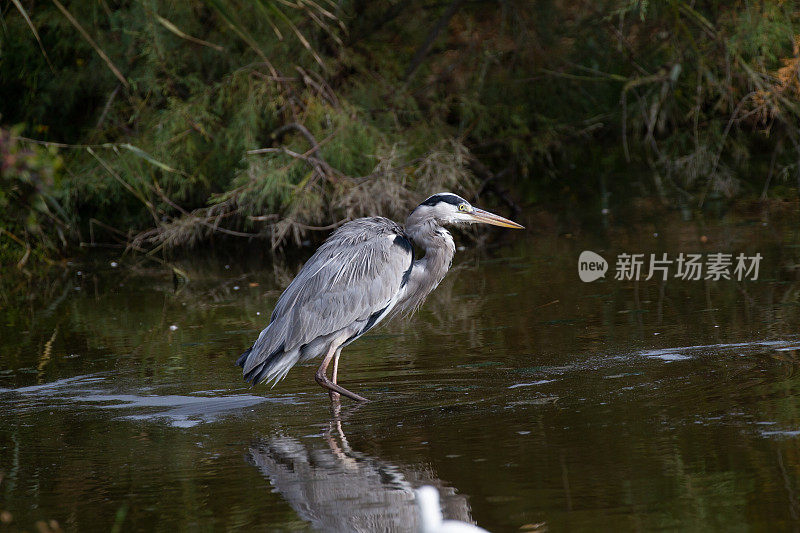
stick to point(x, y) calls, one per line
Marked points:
point(323, 380)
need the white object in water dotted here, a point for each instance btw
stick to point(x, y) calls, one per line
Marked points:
point(430, 515)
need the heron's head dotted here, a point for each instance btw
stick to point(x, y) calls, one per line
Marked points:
point(448, 209)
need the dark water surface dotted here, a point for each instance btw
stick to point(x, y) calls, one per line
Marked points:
point(532, 400)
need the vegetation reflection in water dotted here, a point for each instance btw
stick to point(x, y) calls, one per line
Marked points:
point(530, 399)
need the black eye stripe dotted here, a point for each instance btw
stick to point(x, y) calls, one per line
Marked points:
point(447, 198)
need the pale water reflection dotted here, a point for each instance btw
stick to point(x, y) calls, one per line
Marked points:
point(337, 488)
point(532, 400)
point(87, 392)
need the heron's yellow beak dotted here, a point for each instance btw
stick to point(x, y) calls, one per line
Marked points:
point(486, 217)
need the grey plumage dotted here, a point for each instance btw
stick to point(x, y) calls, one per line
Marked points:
point(354, 274)
point(364, 273)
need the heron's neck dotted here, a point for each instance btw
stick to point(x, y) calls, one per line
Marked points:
point(428, 271)
point(439, 251)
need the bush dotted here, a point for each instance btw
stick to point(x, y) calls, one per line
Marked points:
point(184, 122)
point(32, 221)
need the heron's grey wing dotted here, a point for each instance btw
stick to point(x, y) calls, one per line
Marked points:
point(357, 272)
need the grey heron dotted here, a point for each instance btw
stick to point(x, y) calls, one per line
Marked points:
point(362, 274)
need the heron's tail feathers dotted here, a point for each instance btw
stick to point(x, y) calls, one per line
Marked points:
point(243, 358)
point(272, 368)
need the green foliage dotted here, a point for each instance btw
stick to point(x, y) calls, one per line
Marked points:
point(193, 119)
point(30, 214)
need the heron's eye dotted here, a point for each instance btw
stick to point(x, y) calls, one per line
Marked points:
point(463, 207)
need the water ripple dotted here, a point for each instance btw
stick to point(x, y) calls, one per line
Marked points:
point(176, 410)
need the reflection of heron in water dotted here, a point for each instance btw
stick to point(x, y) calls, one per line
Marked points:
point(364, 273)
point(336, 488)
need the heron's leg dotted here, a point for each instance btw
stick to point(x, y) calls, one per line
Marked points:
point(323, 380)
point(336, 363)
point(336, 408)
point(335, 395)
